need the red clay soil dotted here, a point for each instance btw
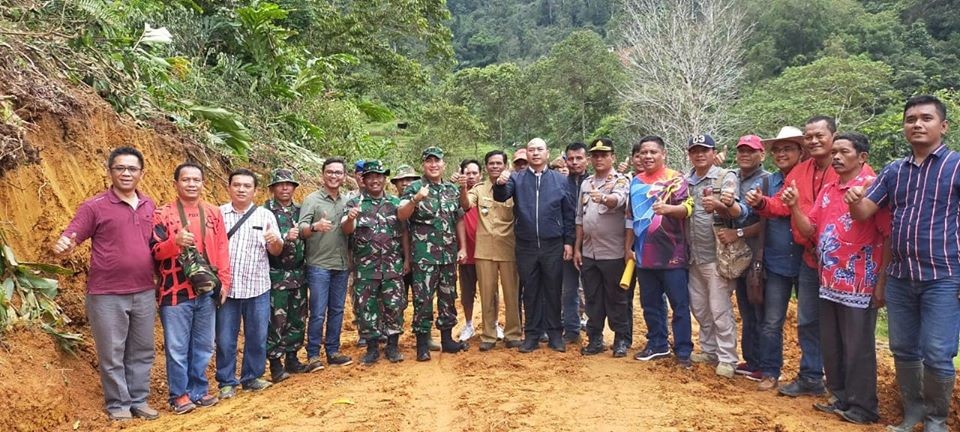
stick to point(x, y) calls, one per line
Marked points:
point(41, 389)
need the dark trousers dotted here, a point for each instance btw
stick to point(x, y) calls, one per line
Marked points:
point(850, 354)
point(604, 298)
point(468, 286)
point(570, 298)
point(541, 276)
point(751, 318)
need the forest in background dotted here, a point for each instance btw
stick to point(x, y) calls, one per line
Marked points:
point(293, 81)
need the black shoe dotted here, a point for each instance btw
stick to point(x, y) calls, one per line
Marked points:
point(571, 338)
point(829, 407)
point(530, 344)
point(544, 338)
point(393, 351)
point(556, 344)
point(373, 352)
point(423, 347)
point(801, 386)
point(652, 354)
point(858, 416)
point(277, 373)
point(486, 346)
point(513, 344)
point(594, 347)
point(620, 348)
point(448, 345)
point(293, 365)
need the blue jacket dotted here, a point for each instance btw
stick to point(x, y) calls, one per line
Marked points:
point(543, 206)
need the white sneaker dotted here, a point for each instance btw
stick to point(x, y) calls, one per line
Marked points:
point(467, 332)
point(499, 332)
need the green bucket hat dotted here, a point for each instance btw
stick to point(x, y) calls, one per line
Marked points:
point(374, 167)
point(432, 151)
point(283, 175)
point(405, 171)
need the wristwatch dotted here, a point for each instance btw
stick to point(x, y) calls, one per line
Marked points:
point(739, 232)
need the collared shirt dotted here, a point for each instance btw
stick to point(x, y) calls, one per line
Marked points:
point(377, 251)
point(781, 255)
point(660, 242)
point(850, 251)
point(602, 226)
point(700, 231)
point(495, 240)
point(120, 259)
point(434, 222)
point(748, 183)
point(286, 269)
point(327, 250)
point(923, 199)
point(248, 250)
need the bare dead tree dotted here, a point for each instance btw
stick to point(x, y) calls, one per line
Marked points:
point(684, 59)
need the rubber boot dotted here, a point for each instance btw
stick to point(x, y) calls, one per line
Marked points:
point(936, 396)
point(373, 352)
point(293, 364)
point(448, 345)
point(423, 348)
point(910, 380)
point(393, 351)
point(434, 346)
point(277, 373)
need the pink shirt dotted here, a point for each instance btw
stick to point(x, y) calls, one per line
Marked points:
point(120, 259)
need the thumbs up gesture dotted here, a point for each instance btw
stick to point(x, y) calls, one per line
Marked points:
point(323, 225)
point(353, 213)
point(504, 178)
point(659, 207)
point(293, 234)
point(709, 202)
point(856, 193)
point(185, 238)
point(271, 236)
point(65, 244)
point(624, 166)
point(423, 193)
point(790, 194)
point(754, 197)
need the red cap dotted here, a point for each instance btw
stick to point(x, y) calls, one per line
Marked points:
point(751, 141)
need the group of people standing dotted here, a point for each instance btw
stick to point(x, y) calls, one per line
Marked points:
point(547, 244)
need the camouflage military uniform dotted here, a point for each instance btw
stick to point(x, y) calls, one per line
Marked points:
point(288, 296)
point(378, 258)
point(433, 228)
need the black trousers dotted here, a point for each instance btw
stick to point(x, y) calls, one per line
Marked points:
point(850, 354)
point(541, 276)
point(605, 300)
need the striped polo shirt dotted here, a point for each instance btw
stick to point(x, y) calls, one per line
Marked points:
point(924, 200)
point(248, 250)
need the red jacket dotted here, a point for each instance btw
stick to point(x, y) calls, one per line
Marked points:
point(809, 183)
point(174, 286)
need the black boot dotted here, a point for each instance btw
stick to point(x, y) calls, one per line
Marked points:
point(910, 379)
point(393, 351)
point(277, 373)
point(448, 345)
point(423, 347)
point(936, 396)
point(293, 365)
point(373, 352)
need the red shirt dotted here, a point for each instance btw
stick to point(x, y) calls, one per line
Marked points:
point(850, 251)
point(174, 286)
point(810, 182)
point(120, 260)
point(470, 220)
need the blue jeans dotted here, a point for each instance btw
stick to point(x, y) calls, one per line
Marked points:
point(924, 322)
point(776, 296)
point(653, 284)
point(255, 314)
point(188, 330)
point(570, 299)
point(808, 323)
point(328, 292)
point(751, 316)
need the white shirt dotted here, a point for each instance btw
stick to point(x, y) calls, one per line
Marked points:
point(249, 261)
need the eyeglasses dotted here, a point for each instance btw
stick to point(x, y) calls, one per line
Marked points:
point(120, 169)
point(334, 173)
point(789, 149)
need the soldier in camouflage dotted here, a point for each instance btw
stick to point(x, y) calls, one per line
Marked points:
point(288, 294)
point(380, 245)
point(433, 206)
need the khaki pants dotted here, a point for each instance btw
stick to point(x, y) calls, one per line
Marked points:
point(489, 273)
point(712, 307)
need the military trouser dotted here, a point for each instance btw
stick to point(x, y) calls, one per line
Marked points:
point(427, 280)
point(378, 307)
point(288, 313)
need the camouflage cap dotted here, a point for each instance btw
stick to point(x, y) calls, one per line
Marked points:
point(432, 151)
point(374, 167)
point(283, 175)
point(405, 171)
